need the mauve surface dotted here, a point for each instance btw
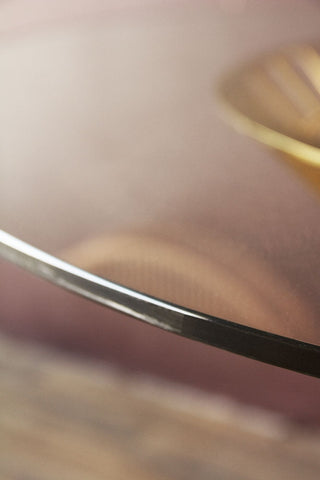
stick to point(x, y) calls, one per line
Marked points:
point(108, 122)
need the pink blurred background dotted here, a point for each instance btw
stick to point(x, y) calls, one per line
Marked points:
point(167, 57)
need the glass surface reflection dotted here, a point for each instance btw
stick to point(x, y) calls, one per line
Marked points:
point(115, 160)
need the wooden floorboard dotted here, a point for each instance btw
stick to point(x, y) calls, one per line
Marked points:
point(65, 418)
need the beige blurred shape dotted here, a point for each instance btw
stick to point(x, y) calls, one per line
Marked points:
point(276, 99)
point(199, 270)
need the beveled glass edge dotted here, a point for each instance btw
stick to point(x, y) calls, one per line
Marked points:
point(237, 338)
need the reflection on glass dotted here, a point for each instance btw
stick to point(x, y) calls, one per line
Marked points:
point(112, 159)
point(276, 99)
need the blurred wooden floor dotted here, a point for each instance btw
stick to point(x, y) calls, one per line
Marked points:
point(62, 418)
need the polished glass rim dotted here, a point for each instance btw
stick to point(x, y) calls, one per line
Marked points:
point(237, 338)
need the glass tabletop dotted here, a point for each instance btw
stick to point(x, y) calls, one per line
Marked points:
point(115, 163)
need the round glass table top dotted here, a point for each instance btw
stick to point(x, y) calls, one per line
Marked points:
point(119, 180)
